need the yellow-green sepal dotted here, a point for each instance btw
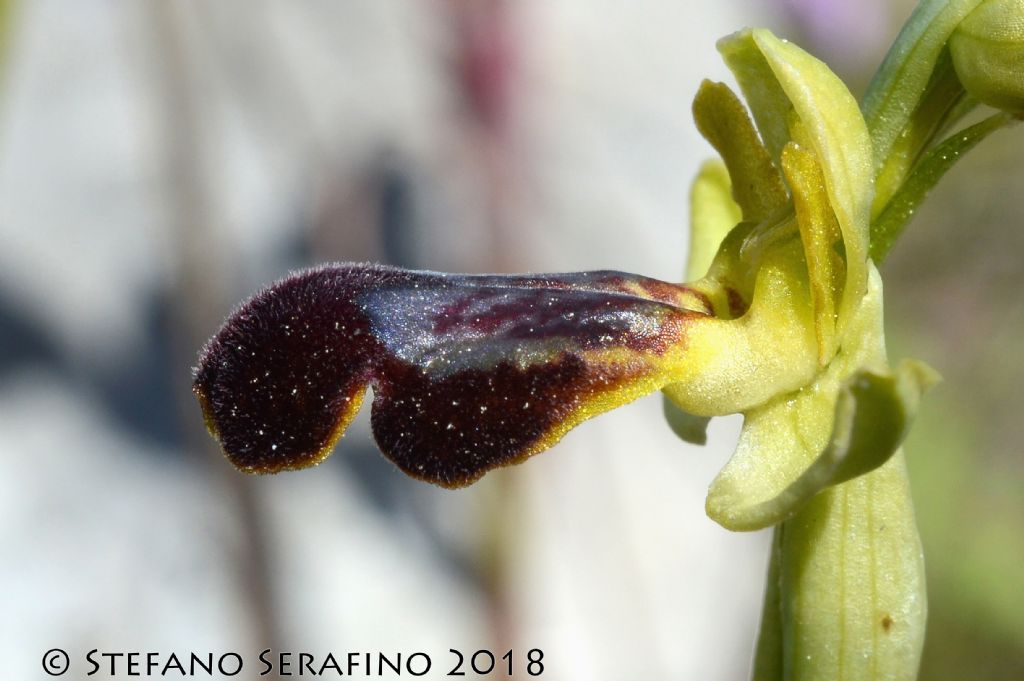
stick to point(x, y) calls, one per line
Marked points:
point(713, 214)
point(787, 88)
point(768, 102)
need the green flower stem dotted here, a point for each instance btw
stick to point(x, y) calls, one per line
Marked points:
point(940, 106)
point(903, 77)
point(897, 214)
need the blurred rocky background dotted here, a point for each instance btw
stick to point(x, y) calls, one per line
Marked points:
point(161, 160)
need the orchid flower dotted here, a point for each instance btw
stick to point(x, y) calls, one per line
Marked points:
point(781, 321)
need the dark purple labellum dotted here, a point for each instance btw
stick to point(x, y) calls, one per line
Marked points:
point(468, 372)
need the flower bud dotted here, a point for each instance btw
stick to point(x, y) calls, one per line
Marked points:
point(988, 53)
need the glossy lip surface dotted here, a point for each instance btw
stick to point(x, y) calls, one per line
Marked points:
point(469, 372)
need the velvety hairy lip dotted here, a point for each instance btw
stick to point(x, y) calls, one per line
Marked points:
point(469, 372)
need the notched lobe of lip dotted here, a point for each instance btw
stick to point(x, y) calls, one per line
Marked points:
point(469, 372)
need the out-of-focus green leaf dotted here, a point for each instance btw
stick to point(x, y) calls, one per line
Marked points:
point(974, 545)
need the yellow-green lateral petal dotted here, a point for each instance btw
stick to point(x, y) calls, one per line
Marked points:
point(713, 213)
point(723, 121)
point(819, 232)
point(841, 143)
